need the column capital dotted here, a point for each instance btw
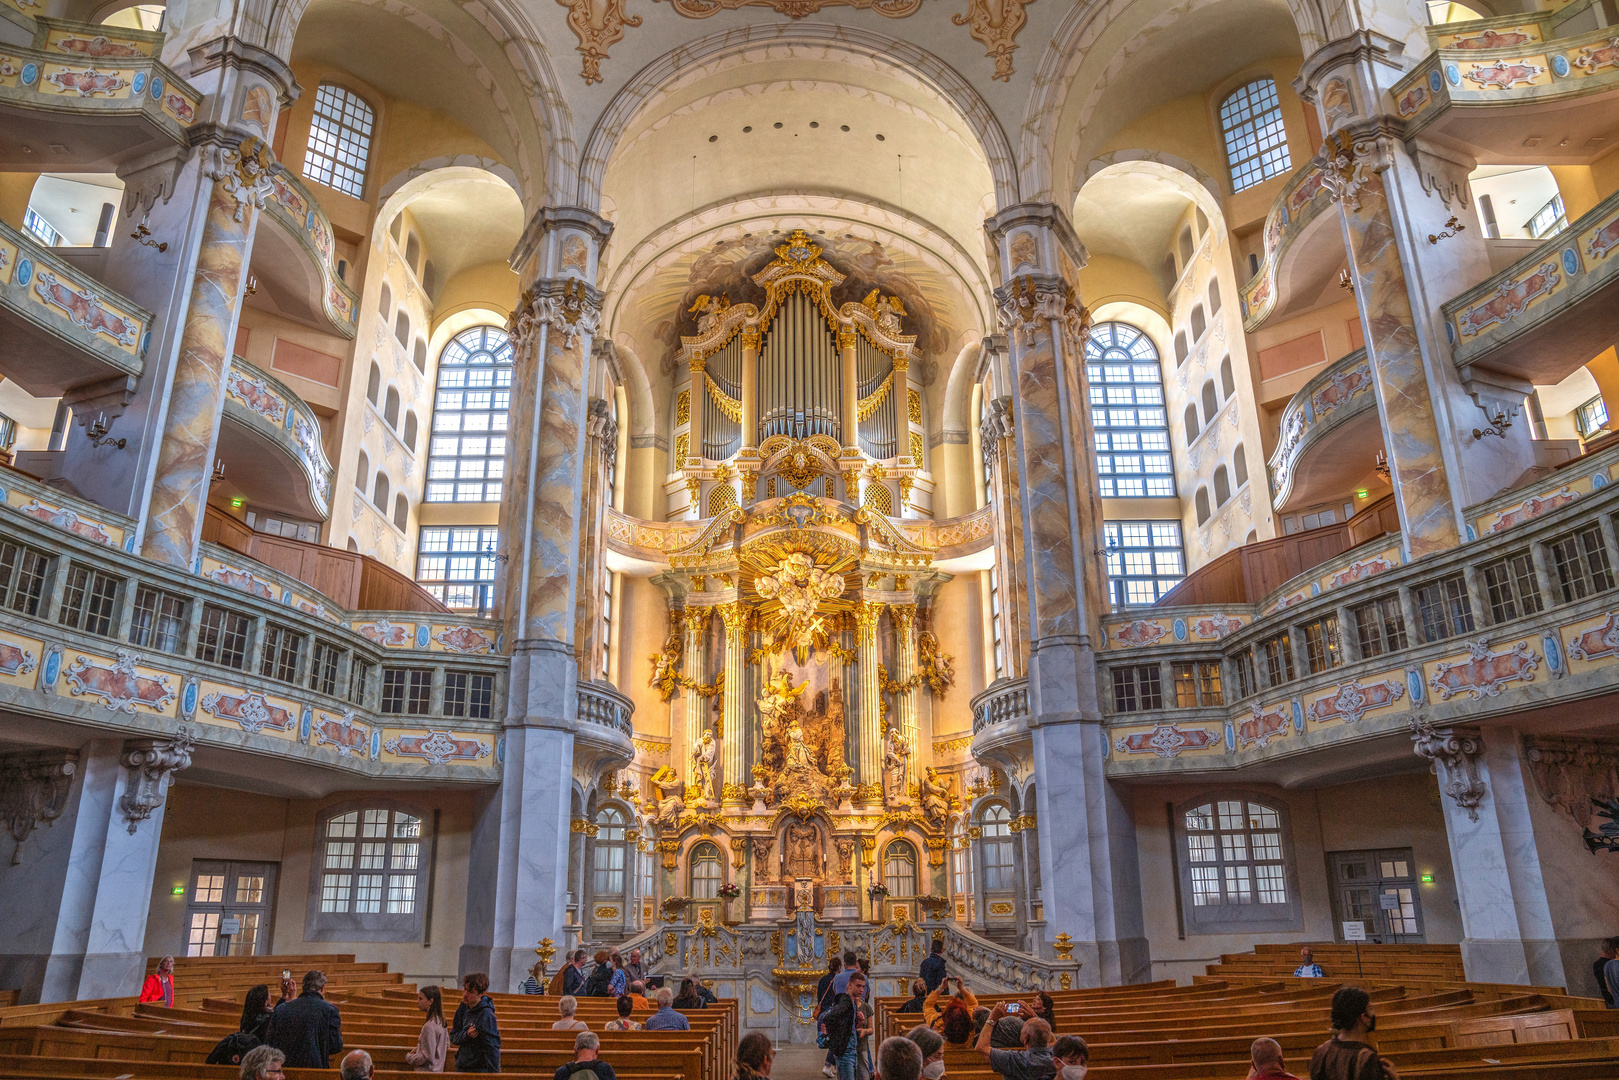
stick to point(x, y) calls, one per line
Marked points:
point(750, 337)
point(1029, 303)
point(1459, 750)
point(1036, 235)
point(560, 240)
point(567, 305)
point(151, 763)
point(735, 614)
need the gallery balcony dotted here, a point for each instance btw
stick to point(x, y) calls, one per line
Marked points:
point(1548, 313)
point(1001, 734)
point(1489, 81)
point(270, 446)
point(63, 333)
point(1330, 435)
point(87, 98)
point(255, 661)
point(295, 262)
point(1304, 248)
point(1349, 654)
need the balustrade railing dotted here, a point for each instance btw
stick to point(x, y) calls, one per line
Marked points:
point(1002, 700)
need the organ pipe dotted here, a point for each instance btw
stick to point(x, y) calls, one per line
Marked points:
point(722, 427)
point(879, 435)
point(799, 381)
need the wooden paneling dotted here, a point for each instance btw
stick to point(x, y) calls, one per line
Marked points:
point(1248, 574)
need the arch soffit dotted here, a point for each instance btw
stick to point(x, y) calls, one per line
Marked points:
point(781, 211)
point(1044, 125)
point(521, 52)
point(810, 41)
point(643, 417)
point(956, 413)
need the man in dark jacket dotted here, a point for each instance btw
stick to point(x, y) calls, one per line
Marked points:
point(474, 1032)
point(841, 1020)
point(919, 993)
point(933, 967)
point(308, 1028)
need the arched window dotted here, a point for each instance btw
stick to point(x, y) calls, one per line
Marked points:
point(385, 302)
point(1191, 424)
point(369, 869)
point(429, 279)
point(373, 384)
point(1237, 863)
point(1255, 141)
point(1202, 503)
point(899, 869)
point(339, 140)
point(1228, 384)
point(402, 328)
point(395, 225)
point(354, 545)
point(362, 472)
point(401, 511)
point(1186, 247)
point(1252, 537)
point(1211, 401)
point(467, 458)
point(997, 844)
point(413, 253)
point(1222, 486)
point(419, 355)
point(379, 494)
point(410, 431)
point(608, 863)
point(1199, 324)
point(1214, 297)
point(1128, 413)
point(707, 874)
point(390, 411)
point(1239, 465)
point(1181, 351)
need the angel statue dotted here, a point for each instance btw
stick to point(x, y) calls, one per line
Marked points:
point(666, 666)
point(704, 761)
point(896, 759)
point(712, 307)
point(935, 799)
point(884, 312)
point(939, 668)
point(776, 703)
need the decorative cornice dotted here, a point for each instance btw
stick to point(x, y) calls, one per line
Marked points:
point(232, 53)
point(1363, 45)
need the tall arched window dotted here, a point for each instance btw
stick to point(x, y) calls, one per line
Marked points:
point(467, 460)
point(1255, 141)
point(379, 494)
point(413, 252)
point(1199, 323)
point(362, 472)
point(899, 869)
point(373, 383)
point(608, 863)
point(385, 302)
point(402, 328)
point(390, 408)
point(339, 140)
point(1228, 383)
point(1127, 409)
point(997, 843)
point(1191, 424)
point(1202, 502)
point(401, 511)
point(1214, 295)
point(419, 356)
point(1222, 486)
point(706, 872)
point(1239, 465)
point(1211, 401)
point(410, 431)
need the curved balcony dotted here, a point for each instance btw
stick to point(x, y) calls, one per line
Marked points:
point(1457, 94)
point(1330, 434)
point(88, 97)
point(1362, 702)
point(1001, 725)
point(136, 674)
point(602, 737)
point(1549, 312)
point(261, 413)
point(1304, 245)
point(63, 330)
point(296, 264)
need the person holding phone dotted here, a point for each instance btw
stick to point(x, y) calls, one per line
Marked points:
point(950, 997)
point(1033, 1062)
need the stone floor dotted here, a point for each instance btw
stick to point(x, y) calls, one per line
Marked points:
point(798, 1062)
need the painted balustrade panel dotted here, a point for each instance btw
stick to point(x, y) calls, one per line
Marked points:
point(95, 70)
point(1338, 393)
point(1573, 481)
point(295, 209)
point(1374, 557)
point(265, 404)
point(1302, 199)
point(77, 517)
point(1195, 625)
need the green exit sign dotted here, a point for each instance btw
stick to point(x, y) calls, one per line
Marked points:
point(178, 890)
point(1427, 879)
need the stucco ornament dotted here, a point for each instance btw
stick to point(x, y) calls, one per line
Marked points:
point(597, 24)
point(995, 25)
point(1347, 162)
point(569, 307)
point(151, 762)
point(243, 172)
point(1028, 304)
point(1459, 750)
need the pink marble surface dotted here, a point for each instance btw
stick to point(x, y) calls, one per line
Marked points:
point(555, 515)
point(1048, 510)
point(1418, 469)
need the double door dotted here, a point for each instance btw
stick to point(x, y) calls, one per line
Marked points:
point(229, 908)
point(1379, 890)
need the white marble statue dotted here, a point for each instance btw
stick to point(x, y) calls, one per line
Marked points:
point(705, 758)
point(896, 768)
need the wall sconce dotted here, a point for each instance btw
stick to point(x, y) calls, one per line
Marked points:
point(97, 432)
point(142, 235)
point(1497, 425)
point(1382, 467)
point(250, 286)
point(1452, 227)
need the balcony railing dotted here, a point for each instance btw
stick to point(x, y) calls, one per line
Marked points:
point(307, 270)
point(253, 659)
point(263, 404)
point(1302, 199)
point(1357, 647)
point(1324, 407)
point(1001, 701)
point(1549, 312)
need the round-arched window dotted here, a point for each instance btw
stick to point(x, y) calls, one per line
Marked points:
point(1127, 410)
point(467, 456)
point(706, 872)
point(608, 862)
point(997, 842)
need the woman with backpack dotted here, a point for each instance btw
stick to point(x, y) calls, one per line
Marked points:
point(255, 1021)
point(600, 983)
point(433, 1044)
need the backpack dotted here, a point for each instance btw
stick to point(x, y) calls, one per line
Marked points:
point(600, 984)
point(232, 1048)
point(582, 1074)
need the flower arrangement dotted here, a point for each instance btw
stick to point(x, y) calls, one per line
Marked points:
point(729, 891)
point(877, 892)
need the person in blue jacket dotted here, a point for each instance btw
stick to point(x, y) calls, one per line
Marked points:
point(474, 1033)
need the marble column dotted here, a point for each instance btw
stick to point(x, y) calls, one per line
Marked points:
point(601, 444)
point(1091, 881)
point(73, 905)
point(734, 742)
point(171, 525)
point(750, 388)
point(868, 762)
point(849, 397)
point(997, 433)
point(904, 617)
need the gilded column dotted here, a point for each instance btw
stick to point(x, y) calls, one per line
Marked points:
point(699, 395)
point(172, 523)
point(904, 616)
point(694, 667)
point(869, 746)
point(850, 422)
point(734, 742)
point(750, 387)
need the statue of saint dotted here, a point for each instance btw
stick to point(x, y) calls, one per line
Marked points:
point(803, 851)
point(896, 759)
point(935, 799)
point(669, 807)
point(798, 751)
point(704, 761)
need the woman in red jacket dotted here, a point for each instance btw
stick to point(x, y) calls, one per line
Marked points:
point(159, 987)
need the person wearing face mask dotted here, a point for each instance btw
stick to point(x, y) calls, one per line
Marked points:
point(1072, 1057)
point(931, 1043)
point(1347, 1055)
point(1034, 1062)
point(1266, 1058)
